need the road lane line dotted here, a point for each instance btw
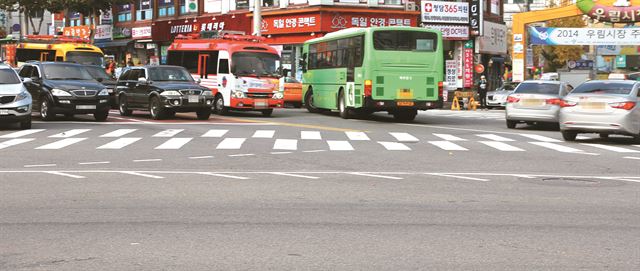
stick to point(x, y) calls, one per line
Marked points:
point(295, 175)
point(374, 175)
point(458, 177)
point(142, 174)
point(174, 143)
point(394, 146)
point(41, 165)
point(357, 136)
point(224, 175)
point(65, 174)
point(495, 137)
point(231, 144)
point(540, 138)
point(557, 147)
point(448, 146)
point(21, 133)
point(611, 148)
point(15, 141)
point(241, 155)
point(119, 143)
point(315, 151)
point(281, 152)
point(70, 133)
point(61, 144)
point(264, 134)
point(168, 133)
point(147, 160)
point(215, 133)
point(619, 179)
point(201, 157)
point(336, 145)
point(94, 163)
point(501, 146)
point(311, 135)
point(631, 157)
point(286, 144)
point(404, 137)
point(449, 137)
point(119, 133)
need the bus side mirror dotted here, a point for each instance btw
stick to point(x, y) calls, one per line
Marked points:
point(303, 62)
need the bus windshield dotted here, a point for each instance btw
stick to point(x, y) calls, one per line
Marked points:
point(66, 72)
point(85, 58)
point(256, 64)
point(389, 40)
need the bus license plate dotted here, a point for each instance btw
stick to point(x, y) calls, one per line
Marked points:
point(194, 98)
point(85, 107)
point(4, 112)
point(405, 103)
point(261, 104)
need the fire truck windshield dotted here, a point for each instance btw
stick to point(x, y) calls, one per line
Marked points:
point(255, 64)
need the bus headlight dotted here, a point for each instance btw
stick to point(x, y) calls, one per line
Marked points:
point(60, 93)
point(239, 94)
point(103, 92)
point(278, 95)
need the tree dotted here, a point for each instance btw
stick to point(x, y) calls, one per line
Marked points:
point(557, 56)
point(92, 9)
point(30, 8)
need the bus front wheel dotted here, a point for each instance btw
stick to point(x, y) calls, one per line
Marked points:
point(308, 103)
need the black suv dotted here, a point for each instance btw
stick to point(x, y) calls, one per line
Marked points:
point(163, 90)
point(99, 74)
point(65, 88)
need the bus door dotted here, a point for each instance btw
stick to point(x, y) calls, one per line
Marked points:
point(350, 93)
point(226, 82)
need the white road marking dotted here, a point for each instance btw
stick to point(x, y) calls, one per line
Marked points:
point(94, 163)
point(618, 179)
point(42, 165)
point(357, 136)
point(61, 144)
point(70, 133)
point(286, 144)
point(314, 135)
point(119, 143)
point(394, 146)
point(449, 137)
point(168, 133)
point(65, 174)
point(336, 145)
point(231, 144)
point(224, 175)
point(631, 157)
point(174, 143)
point(583, 137)
point(215, 133)
point(495, 137)
point(375, 175)
point(241, 155)
point(611, 148)
point(404, 137)
point(540, 138)
point(557, 147)
point(13, 142)
point(295, 175)
point(501, 146)
point(21, 133)
point(264, 134)
point(147, 160)
point(315, 151)
point(201, 157)
point(281, 152)
point(119, 133)
point(458, 177)
point(448, 146)
point(142, 174)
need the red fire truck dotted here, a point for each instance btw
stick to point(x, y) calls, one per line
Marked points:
point(242, 71)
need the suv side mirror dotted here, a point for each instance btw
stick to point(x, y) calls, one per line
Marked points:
point(142, 81)
point(27, 80)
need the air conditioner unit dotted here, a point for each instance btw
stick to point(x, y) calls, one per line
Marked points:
point(410, 6)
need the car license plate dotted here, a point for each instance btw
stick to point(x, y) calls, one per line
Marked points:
point(4, 112)
point(405, 94)
point(404, 103)
point(85, 107)
point(532, 102)
point(592, 105)
point(194, 98)
point(261, 104)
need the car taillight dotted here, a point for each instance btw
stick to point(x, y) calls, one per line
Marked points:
point(623, 105)
point(565, 103)
point(368, 86)
point(512, 99)
point(554, 101)
point(440, 89)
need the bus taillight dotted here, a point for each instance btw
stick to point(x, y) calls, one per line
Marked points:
point(440, 89)
point(368, 86)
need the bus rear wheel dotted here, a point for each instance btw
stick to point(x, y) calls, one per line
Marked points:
point(345, 112)
point(405, 115)
point(308, 103)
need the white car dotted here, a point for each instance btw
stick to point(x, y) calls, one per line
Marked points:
point(535, 101)
point(15, 100)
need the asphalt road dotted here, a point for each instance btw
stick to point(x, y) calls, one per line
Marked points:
point(300, 191)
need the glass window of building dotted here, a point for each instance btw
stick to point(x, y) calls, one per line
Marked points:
point(242, 4)
point(124, 12)
point(166, 8)
point(145, 10)
point(213, 6)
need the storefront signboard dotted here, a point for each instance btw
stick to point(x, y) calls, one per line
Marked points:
point(476, 20)
point(451, 74)
point(77, 31)
point(468, 67)
point(445, 12)
point(165, 31)
point(494, 40)
point(451, 32)
point(584, 36)
point(331, 21)
point(141, 32)
point(121, 32)
point(103, 32)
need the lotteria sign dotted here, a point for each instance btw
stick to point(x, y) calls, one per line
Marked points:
point(584, 36)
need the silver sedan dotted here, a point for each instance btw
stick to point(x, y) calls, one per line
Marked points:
point(498, 97)
point(601, 106)
point(535, 101)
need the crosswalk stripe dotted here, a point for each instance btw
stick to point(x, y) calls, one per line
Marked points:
point(65, 174)
point(357, 136)
point(338, 145)
point(295, 175)
point(225, 176)
point(13, 142)
point(231, 144)
point(174, 143)
point(375, 176)
point(286, 144)
point(540, 138)
point(264, 134)
point(119, 133)
point(142, 175)
point(449, 137)
point(495, 137)
point(394, 146)
point(215, 133)
point(611, 148)
point(119, 143)
point(61, 143)
point(448, 146)
point(168, 133)
point(501, 146)
point(70, 133)
point(556, 147)
point(315, 135)
point(21, 133)
point(404, 137)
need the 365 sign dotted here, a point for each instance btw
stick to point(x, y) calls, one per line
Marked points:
point(445, 12)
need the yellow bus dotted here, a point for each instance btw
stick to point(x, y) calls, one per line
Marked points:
point(58, 48)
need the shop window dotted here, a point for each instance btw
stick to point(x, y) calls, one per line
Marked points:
point(270, 3)
point(145, 10)
point(166, 8)
point(124, 12)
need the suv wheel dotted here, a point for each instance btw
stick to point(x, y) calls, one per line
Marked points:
point(45, 110)
point(26, 124)
point(156, 110)
point(124, 106)
point(204, 114)
point(101, 115)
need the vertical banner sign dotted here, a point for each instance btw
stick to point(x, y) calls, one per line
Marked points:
point(475, 17)
point(529, 58)
point(468, 64)
point(451, 74)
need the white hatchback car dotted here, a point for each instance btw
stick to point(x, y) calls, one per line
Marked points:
point(15, 100)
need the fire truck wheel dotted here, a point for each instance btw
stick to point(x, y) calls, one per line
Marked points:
point(219, 106)
point(267, 113)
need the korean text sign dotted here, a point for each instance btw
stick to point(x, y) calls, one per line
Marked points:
point(584, 36)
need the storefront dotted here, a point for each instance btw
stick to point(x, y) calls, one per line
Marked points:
point(144, 50)
point(118, 46)
point(492, 47)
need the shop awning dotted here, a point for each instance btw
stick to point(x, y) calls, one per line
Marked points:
point(113, 43)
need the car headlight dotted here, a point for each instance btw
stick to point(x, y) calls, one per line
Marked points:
point(103, 92)
point(278, 95)
point(60, 93)
point(239, 94)
point(23, 95)
point(207, 93)
point(170, 93)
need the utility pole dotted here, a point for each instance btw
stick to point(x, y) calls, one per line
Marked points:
point(257, 18)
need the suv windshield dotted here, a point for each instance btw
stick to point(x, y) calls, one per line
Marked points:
point(8, 76)
point(170, 74)
point(85, 58)
point(65, 72)
point(257, 64)
point(538, 88)
point(401, 40)
point(98, 72)
point(605, 88)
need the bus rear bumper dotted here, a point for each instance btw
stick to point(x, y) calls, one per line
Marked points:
point(391, 105)
point(255, 104)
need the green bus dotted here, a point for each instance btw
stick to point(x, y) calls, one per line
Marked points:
point(359, 71)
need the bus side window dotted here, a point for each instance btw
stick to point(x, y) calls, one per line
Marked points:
point(224, 66)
